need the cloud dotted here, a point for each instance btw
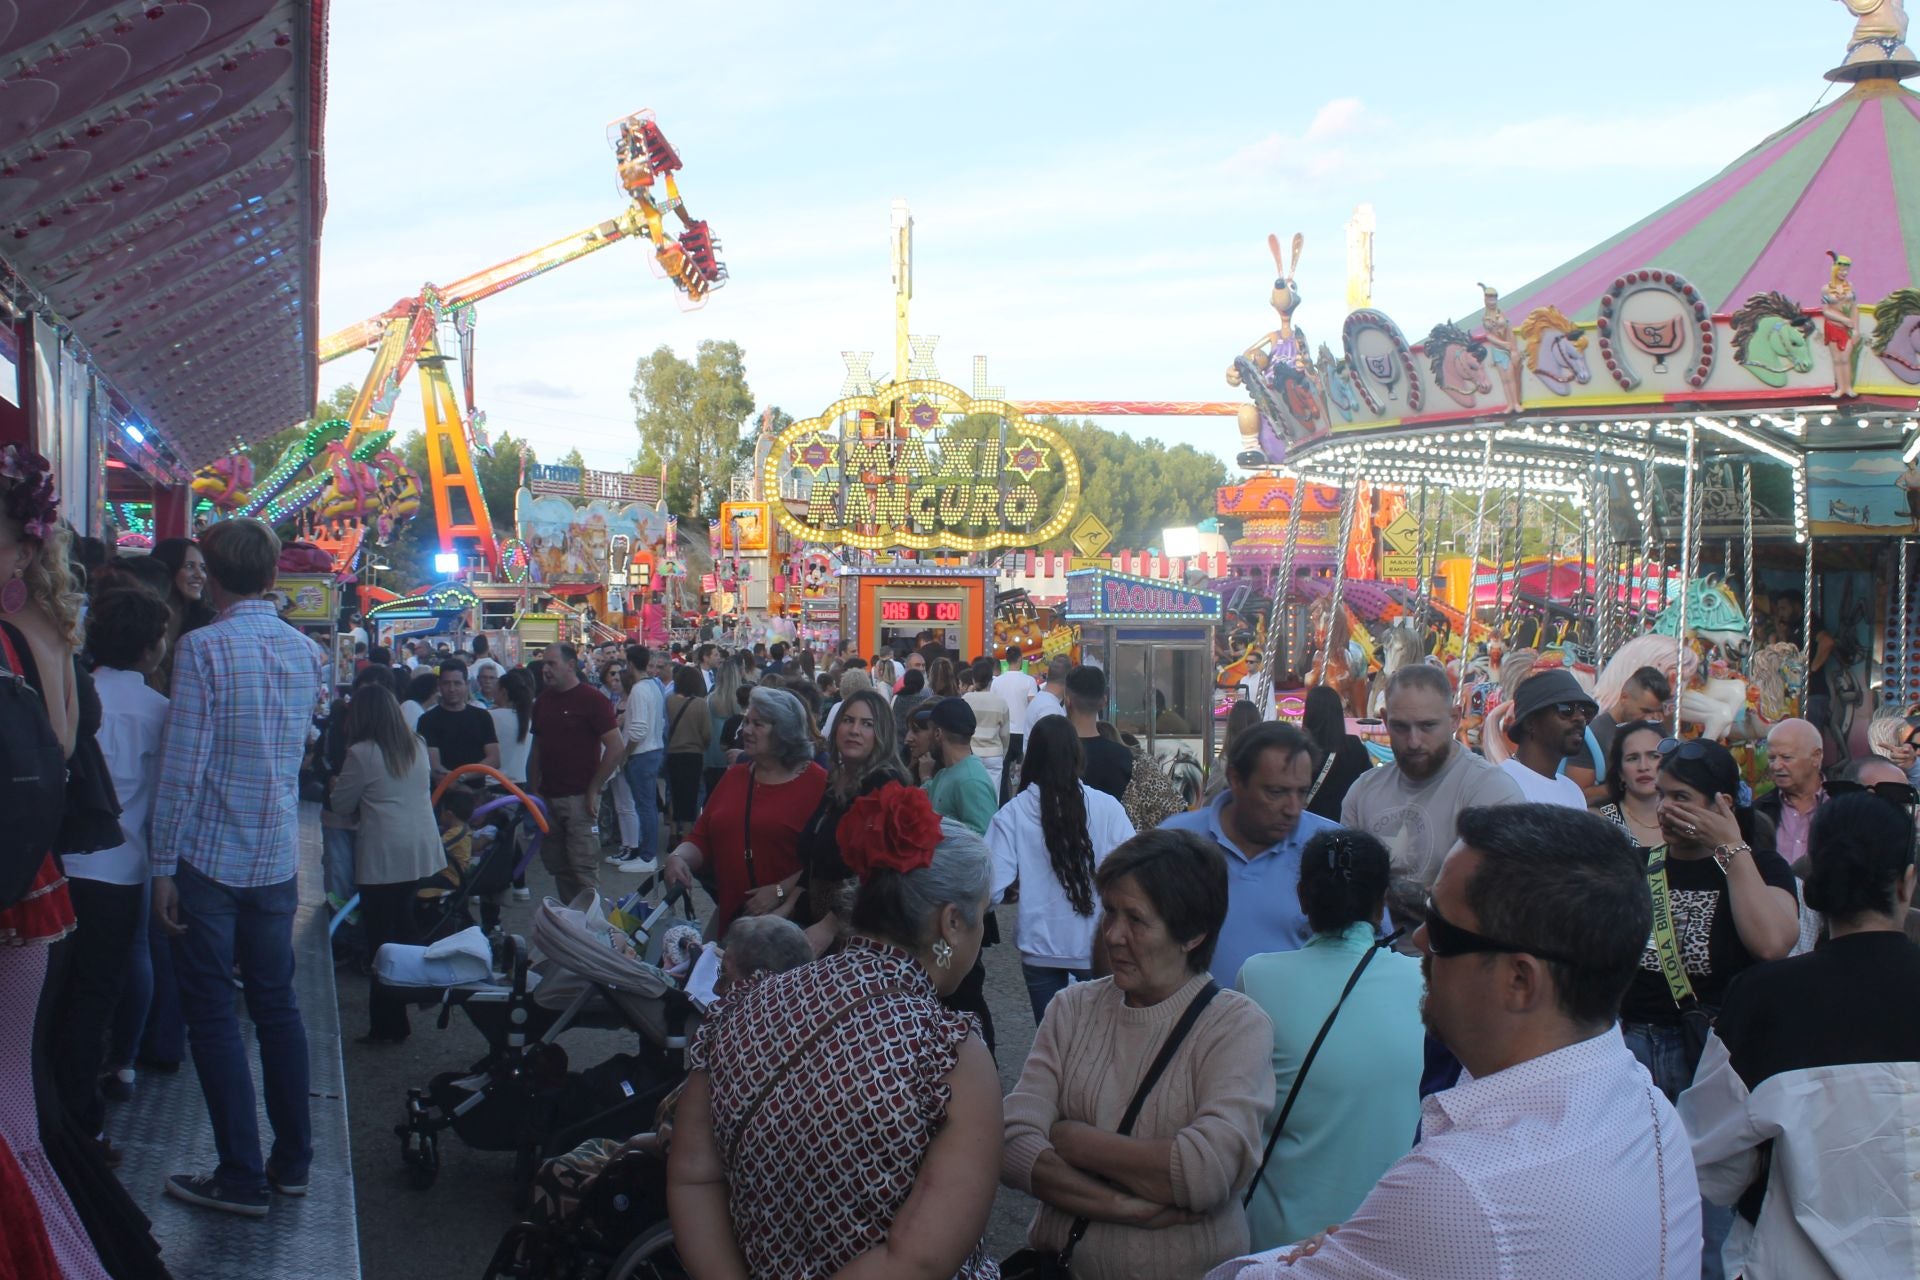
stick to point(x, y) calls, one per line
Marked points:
point(539, 389)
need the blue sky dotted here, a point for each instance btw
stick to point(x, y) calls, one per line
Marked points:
point(1092, 185)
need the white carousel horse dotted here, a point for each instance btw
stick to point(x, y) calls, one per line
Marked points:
point(1779, 674)
point(1401, 645)
point(1715, 704)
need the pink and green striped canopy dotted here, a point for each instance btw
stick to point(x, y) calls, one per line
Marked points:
point(1846, 177)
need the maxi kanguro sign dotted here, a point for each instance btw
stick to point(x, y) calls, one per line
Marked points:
point(925, 466)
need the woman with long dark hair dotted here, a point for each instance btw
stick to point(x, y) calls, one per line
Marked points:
point(689, 730)
point(1051, 837)
point(1633, 773)
point(1344, 758)
point(513, 723)
point(861, 756)
point(385, 781)
point(1241, 716)
point(187, 600)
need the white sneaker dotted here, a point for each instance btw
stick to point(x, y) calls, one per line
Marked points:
point(522, 894)
point(637, 865)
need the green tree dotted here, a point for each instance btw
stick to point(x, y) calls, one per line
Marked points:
point(574, 459)
point(1136, 487)
point(693, 418)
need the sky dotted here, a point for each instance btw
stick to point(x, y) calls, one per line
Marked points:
point(1092, 185)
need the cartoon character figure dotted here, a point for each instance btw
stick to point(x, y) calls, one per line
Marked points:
point(1274, 371)
point(1503, 348)
point(1840, 322)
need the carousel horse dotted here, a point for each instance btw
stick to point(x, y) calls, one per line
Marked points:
point(1339, 663)
point(1556, 350)
point(1459, 364)
point(1779, 674)
point(1497, 713)
point(1402, 644)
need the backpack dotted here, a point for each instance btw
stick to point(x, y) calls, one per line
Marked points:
point(33, 778)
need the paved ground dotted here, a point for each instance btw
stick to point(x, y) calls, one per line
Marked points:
point(452, 1228)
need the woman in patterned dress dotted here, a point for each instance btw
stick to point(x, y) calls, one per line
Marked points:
point(838, 1121)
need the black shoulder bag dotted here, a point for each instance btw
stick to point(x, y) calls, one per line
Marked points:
point(1039, 1264)
point(1299, 1077)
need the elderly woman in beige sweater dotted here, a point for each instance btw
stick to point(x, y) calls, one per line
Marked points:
point(1165, 1199)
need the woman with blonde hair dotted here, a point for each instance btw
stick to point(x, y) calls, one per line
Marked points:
point(886, 674)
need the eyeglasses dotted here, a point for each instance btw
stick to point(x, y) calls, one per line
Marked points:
point(1444, 939)
point(1567, 710)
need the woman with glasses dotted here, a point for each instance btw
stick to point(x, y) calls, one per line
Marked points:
point(1723, 901)
point(1811, 1061)
point(1633, 771)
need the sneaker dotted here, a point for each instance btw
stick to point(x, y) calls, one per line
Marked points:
point(286, 1186)
point(637, 865)
point(522, 894)
point(203, 1190)
point(622, 857)
point(117, 1086)
point(112, 1155)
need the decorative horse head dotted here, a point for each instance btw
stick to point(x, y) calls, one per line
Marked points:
point(1713, 614)
point(1772, 338)
point(1556, 349)
point(1896, 333)
point(1779, 674)
point(1458, 362)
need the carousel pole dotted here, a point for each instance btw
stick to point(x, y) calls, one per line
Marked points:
point(1650, 487)
point(1282, 589)
point(1599, 509)
point(1473, 558)
point(1906, 627)
point(1420, 560)
point(1688, 550)
point(1746, 546)
point(1349, 503)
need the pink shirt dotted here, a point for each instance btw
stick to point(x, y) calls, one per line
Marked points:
point(1791, 838)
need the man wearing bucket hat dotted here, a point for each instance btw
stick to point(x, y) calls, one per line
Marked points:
point(1550, 715)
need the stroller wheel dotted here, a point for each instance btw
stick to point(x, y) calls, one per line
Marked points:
point(650, 1257)
point(421, 1153)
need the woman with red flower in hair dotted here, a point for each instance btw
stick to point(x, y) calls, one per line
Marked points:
point(838, 1120)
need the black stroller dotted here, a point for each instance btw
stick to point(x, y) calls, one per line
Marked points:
point(522, 1095)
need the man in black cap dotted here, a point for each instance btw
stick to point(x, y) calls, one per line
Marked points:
point(1549, 723)
point(960, 788)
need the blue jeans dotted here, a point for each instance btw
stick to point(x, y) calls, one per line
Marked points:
point(643, 779)
point(253, 926)
point(130, 1018)
point(1043, 984)
point(1662, 1050)
point(337, 850)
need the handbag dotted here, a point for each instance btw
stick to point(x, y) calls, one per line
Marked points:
point(1313, 1050)
point(1696, 1023)
point(1045, 1264)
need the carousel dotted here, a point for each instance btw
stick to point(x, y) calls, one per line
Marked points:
point(1717, 406)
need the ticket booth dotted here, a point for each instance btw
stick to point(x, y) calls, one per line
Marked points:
point(1155, 642)
point(884, 609)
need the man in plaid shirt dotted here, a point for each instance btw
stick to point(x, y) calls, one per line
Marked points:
point(225, 852)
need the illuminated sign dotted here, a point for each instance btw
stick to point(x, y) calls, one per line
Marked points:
point(584, 483)
point(919, 611)
point(1095, 595)
point(923, 465)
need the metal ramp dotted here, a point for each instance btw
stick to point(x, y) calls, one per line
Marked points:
point(164, 1130)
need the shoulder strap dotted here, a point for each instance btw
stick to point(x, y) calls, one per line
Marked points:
point(1665, 944)
point(1293, 1090)
point(793, 1060)
point(677, 716)
point(1325, 769)
point(13, 654)
point(1191, 1015)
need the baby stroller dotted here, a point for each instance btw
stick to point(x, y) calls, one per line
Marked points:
point(618, 1230)
point(522, 1095)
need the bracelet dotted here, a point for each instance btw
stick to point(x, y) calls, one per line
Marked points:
point(1723, 854)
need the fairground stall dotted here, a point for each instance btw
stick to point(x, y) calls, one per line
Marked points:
point(1717, 406)
point(885, 610)
point(1156, 643)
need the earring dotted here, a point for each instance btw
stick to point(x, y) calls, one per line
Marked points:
point(13, 596)
point(942, 953)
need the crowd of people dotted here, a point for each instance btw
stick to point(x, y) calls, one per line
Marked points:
point(1592, 1010)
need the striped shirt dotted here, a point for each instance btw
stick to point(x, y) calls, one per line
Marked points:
point(245, 688)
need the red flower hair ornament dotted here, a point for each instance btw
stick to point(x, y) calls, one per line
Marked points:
point(893, 827)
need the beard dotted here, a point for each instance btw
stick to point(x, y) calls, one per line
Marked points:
point(1426, 996)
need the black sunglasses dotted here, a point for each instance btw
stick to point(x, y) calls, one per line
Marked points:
point(1444, 938)
point(1567, 710)
point(1897, 793)
point(1685, 748)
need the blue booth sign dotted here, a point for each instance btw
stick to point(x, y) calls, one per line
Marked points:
point(1100, 595)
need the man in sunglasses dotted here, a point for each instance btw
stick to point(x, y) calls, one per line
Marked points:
point(1793, 762)
point(1549, 724)
point(1554, 1156)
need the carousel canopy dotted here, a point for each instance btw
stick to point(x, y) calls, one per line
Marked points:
point(1844, 178)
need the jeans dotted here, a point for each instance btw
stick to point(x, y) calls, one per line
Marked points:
point(625, 816)
point(164, 1038)
point(1043, 984)
point(90, 989)
point(136, 996)
point(1662, 1050)
point(253, 926)
point(643, 778)
point(337, 847)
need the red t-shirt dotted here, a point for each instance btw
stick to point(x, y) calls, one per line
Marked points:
point(567, 728)
point(780, 814)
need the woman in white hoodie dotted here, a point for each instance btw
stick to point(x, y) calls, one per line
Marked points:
point(1050, 837)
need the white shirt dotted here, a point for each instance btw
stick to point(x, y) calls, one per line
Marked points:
point(1544, 1171)
point(411, 711)
point(1537, 789)
point(1018, 688)
point(1044, 704)
point(643, 718)
point(132, 719)
point(1050, 933)
point(513, 748)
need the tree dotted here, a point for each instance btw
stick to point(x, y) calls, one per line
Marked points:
point(692, 418)
point(574, 459)
point(1136, 487)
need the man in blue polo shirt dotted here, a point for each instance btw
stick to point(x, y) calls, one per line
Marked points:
point(1260, 824)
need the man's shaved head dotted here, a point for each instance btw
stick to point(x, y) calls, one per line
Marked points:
point(1794, 734)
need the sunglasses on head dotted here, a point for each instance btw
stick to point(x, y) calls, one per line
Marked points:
point(1685, 748)
point(1898, 793)
point(1444, 938)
